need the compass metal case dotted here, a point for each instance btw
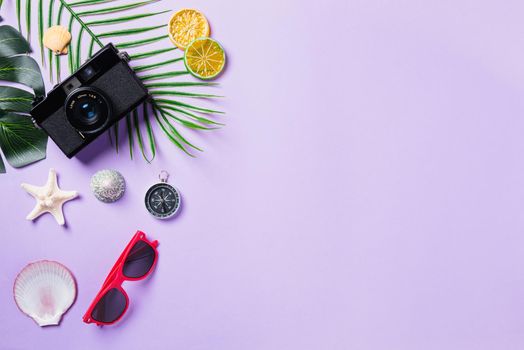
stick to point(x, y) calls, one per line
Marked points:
point(162, 200)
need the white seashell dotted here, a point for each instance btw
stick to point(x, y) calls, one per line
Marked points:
point(44, 290)
point(57, 39)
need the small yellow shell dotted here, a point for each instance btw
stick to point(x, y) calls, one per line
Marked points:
point(57, 39)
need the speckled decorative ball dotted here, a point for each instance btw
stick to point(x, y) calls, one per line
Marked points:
point(108, 185)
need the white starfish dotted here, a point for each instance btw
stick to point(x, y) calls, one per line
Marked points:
point(49, 198)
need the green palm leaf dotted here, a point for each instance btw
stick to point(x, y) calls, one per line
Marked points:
point(19, 14)
point(123, 19)
point(139, 136)
point(176, 133)
point(165, 109)
point(130, 31)
point(91, 47)
point(147, 67)
point(187, 123)
point(49, 24)
point(191, 115)
point(41, 29)
point(151, 137)
point(88, 2)
point(181, 93)
point(58, 58)
point(78, 49)
point(70, 57)
point(177, 84)
point(114, 9)
point(28, 19)
point(188, 106)
point(150, 53)
point(170, 135)
point(163, 75)
point(135, 43)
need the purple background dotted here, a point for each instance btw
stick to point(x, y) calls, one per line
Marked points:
point(366, 193)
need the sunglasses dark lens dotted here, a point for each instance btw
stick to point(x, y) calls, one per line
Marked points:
point(110, 307)
point(139, 261)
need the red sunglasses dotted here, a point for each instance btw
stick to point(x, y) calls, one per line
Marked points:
point(135, 263)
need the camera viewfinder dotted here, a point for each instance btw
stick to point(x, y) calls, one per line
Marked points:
point(87, 73)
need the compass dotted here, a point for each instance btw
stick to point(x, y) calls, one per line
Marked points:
point(162, 200)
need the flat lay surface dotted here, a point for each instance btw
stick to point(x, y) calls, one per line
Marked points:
point(367, 191)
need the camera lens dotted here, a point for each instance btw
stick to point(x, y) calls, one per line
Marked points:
point(87, 109)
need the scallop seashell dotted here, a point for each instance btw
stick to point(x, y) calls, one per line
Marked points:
point(44, 290)
point(57, 39)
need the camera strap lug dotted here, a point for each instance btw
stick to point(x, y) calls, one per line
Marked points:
point(36, 101)
point(35, 123)
point(124, 56)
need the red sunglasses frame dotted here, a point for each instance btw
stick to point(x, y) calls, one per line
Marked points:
point(116, 277)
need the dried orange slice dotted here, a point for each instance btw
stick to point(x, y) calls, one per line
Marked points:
point(186, 25)
point(204, 58)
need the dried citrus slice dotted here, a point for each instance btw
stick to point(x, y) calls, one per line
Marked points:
point(204, 58)
point(186, 25)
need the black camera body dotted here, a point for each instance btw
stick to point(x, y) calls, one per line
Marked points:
point(98, 94)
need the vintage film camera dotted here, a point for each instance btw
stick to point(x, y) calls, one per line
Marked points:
point(98, 94)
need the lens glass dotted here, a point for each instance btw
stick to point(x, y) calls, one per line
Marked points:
point(139, 261)
point(110, 307)
point(87, 110)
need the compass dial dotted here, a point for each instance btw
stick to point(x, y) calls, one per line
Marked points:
point(162, 200)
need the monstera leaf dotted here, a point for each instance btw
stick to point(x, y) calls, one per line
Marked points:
point(23, 70)
point(21, 142)
point(13, 99)
point(11, 42)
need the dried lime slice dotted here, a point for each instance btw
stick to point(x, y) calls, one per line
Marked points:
point(204, 58)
